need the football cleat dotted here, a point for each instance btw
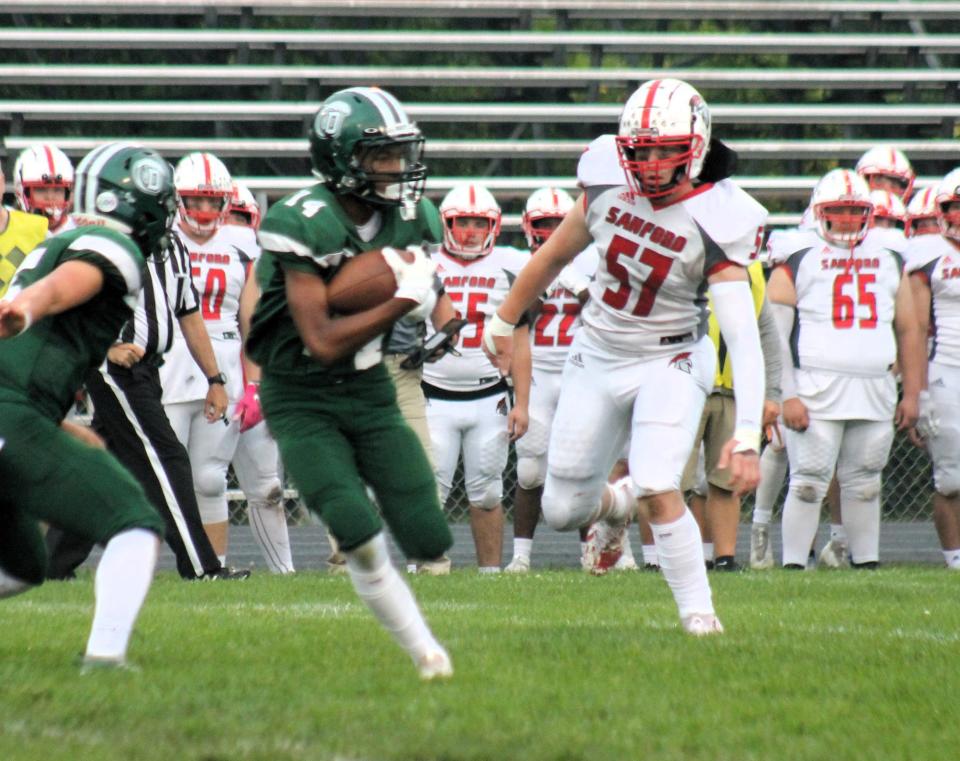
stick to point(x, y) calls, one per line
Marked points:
point(702, 625)
point(438, 567)
point(518, 565)
point(726, 563)
point(227, 574)
point(434, 664)
point(761, 549)
point(604, 547)
point(337, 563)
point(834, 554)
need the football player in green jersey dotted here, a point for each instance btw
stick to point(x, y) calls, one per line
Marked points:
point(65, 308)
point(326, 395)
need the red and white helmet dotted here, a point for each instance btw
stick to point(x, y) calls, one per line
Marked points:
point(469, 200)
point(545, 203)
point(887, 205)
point(922, 208)
point(884, 161)
point(840, 199)
point(43, 166)
point(243, 202)
point(663, 113)
point(948, 194)
point(202, 175)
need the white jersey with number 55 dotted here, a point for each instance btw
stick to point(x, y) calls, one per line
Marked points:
point(649, 295)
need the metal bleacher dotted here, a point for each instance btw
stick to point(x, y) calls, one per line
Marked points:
point(510, 90)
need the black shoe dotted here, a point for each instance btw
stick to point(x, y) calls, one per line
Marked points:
point(708, 564)
point(651, 567)
point(726, 563)
point(794, 567)
point(870, 565)
point(227, 574)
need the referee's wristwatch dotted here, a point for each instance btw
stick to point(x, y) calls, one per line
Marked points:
point(218, 378)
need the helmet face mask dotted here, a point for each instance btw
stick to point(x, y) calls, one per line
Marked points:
point(128, 188)
point(204, 187)
point(43, 183)
point(842, 207)
point(544, 210)
point(362, 143)
point(470, 202)
point(664, 137)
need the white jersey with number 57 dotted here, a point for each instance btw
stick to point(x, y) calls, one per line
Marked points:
point(649, 294)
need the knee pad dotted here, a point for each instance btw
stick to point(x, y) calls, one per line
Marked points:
point(863, 488)
point(489, 498)
point(531, 472)
point(947, 481)
point(567, 505)
point(268, 493)
point(209, 480)
point(810, 493)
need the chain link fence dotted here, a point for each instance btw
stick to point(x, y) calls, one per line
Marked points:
point(907, 490)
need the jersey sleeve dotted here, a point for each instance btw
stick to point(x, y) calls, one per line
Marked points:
point(919, 253)
point(302, 233)
point(121, 261)
point(433, 225)
point(731, 223)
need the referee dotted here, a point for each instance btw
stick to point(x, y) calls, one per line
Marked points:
point(129, 415)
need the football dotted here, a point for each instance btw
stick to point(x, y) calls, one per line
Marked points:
point(365, 281)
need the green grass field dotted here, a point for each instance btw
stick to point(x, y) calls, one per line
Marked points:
point(556, 665)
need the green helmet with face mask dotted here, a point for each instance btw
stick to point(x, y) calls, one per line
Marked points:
point(128, 188)
point(355, 124)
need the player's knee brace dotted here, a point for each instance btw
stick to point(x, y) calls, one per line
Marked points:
point(531, 472)
point(490, 497)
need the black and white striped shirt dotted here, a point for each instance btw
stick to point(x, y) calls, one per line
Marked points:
point(168, 293)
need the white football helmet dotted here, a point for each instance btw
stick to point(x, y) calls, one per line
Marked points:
point(922, 213)
point(887, 205)
point(202, 175)
point(469, 200)
point(665, 114)
point(842, 207)
point(545, 203)
point(243, 202)
point(948, 195)
point(44, 166)
point(883, 161)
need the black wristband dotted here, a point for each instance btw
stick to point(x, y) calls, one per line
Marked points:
point(218, 378)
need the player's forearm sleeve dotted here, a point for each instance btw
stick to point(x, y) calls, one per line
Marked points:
point(784, 316)
point(733, 305)
point(772, 358)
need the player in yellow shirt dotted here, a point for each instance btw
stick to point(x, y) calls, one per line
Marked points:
point(20, 233)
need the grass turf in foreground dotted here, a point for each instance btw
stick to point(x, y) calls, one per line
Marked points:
point(556, 665)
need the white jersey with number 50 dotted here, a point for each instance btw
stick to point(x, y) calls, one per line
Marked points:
point(649, 295)
point(476, 287)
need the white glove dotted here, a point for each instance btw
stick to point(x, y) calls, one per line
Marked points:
point(422, 311)
point(414, 279)
point(573, 280)
point(927, 423)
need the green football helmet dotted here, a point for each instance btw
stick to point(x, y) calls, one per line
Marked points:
point(129, 188)
point(358, 127)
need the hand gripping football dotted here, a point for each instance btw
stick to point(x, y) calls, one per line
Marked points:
point(365, 281)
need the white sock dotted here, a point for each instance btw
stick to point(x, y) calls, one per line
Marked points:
point(952, 559)
point(627, 548)
point(650, 555)
point(388, 597)
point(799, 528)
point(838, 532)
point(123, 578)
point(773, 470)
point(11, 585)
point(707, 552)
point(268, 522)
point(680, 551)
point(223, 560)
point(862, 519)
point(522, 548)
point(489, 569)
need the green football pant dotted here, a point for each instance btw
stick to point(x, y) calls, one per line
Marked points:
point(335, 437)
point(49, 475)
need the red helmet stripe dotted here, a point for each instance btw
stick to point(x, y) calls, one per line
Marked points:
point(651, 94)
point(473, 197)
point(206, 168)
point(53, 169)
